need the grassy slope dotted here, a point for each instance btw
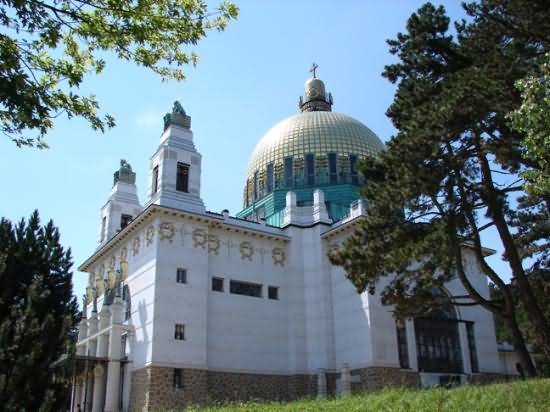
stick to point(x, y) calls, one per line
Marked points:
point(532, 395)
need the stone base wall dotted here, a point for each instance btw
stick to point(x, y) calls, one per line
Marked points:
point(376, 378)
point(152, 388)
point(487, 378)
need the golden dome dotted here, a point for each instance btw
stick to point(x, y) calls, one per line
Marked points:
point(317, 133)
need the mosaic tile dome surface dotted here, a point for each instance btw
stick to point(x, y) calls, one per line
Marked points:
point(316, 132)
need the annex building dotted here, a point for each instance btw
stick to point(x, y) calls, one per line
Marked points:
point(187, 306)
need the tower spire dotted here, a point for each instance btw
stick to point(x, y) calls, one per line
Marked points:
point(314, 67)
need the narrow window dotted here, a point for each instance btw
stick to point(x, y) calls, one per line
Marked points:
point(217, 284)
point(181, 275)
point(125, 221)
point(273, 292)
point(332, 168)
point(270, 178)
point(155, 178)
point(126, 298)
point(402, 346)
point(177, 382)
point(310, 169)
point(245, 288)
point(103, 227)
point(353, 169)
point(472, 347)
point(289, 178)
point(182, 178)
point(179, 331)
point(256, 183)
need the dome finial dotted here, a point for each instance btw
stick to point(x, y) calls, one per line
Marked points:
point(314, 67)
point(315, 98)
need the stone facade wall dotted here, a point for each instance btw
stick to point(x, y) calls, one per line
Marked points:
point(152, 388)
point(376, 378)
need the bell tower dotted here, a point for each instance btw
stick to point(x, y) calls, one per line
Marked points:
point(175, 168)
point(122, 205)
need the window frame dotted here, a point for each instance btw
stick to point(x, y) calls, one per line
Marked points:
point(214, 279)
point(155, 182)
point(181, 271)
point(271, 289)
point(182, 177)
point(179, 334)
point(258, 287)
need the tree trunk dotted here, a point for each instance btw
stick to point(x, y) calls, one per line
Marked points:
point(495, 207)
point(520, 347)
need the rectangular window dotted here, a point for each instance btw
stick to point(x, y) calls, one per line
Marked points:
point(182, 178)
point(125, 221)
point(332, 168)
point(353, 169)
point(310, 169)
point(177, 381)
point(217, 284)
point(103, 227)
point(245, 288)
point(402, 346)
point(155, 179)
point(289, 178)
point(472, 347)
point(273, 292)
point(181, 275)
point(179, 331)
point(270, 178)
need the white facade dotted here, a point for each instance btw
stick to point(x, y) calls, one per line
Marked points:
point(317, 323)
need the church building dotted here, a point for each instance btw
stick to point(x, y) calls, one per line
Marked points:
point(186, 306)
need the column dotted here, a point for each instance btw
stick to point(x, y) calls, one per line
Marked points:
point(345, 380)
point(321, 384)
point(99, 369)
point(112, 398)
point(91, 347)
point(80, 350)
point(411, 344)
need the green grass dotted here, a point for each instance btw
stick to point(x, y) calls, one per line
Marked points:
point(531, 395)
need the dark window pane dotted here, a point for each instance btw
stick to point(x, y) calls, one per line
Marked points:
point(310, 169)
point(289, 177)
point(472, 347)
point(438, 345)
point(332, 168)
point(245, 288)
point(155, 179)
point(125, 221)
point(177, 381)
point(273, 292)
point(402, 346)
point(217, 284)
point(270, 178)
point(179, 331)
point(181, 276)
point(182, 178)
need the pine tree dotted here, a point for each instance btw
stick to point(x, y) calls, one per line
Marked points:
point(454, 168)
point(37, 313)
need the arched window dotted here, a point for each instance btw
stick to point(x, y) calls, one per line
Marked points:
point(437, 340)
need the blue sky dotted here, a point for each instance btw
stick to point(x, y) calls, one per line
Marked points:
point(248, 78)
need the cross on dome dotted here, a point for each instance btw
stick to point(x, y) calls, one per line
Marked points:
point(314, 67)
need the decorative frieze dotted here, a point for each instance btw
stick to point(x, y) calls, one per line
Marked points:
point(279, 256)
point(247, 250)
point(167, 231)
point(149, 235)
